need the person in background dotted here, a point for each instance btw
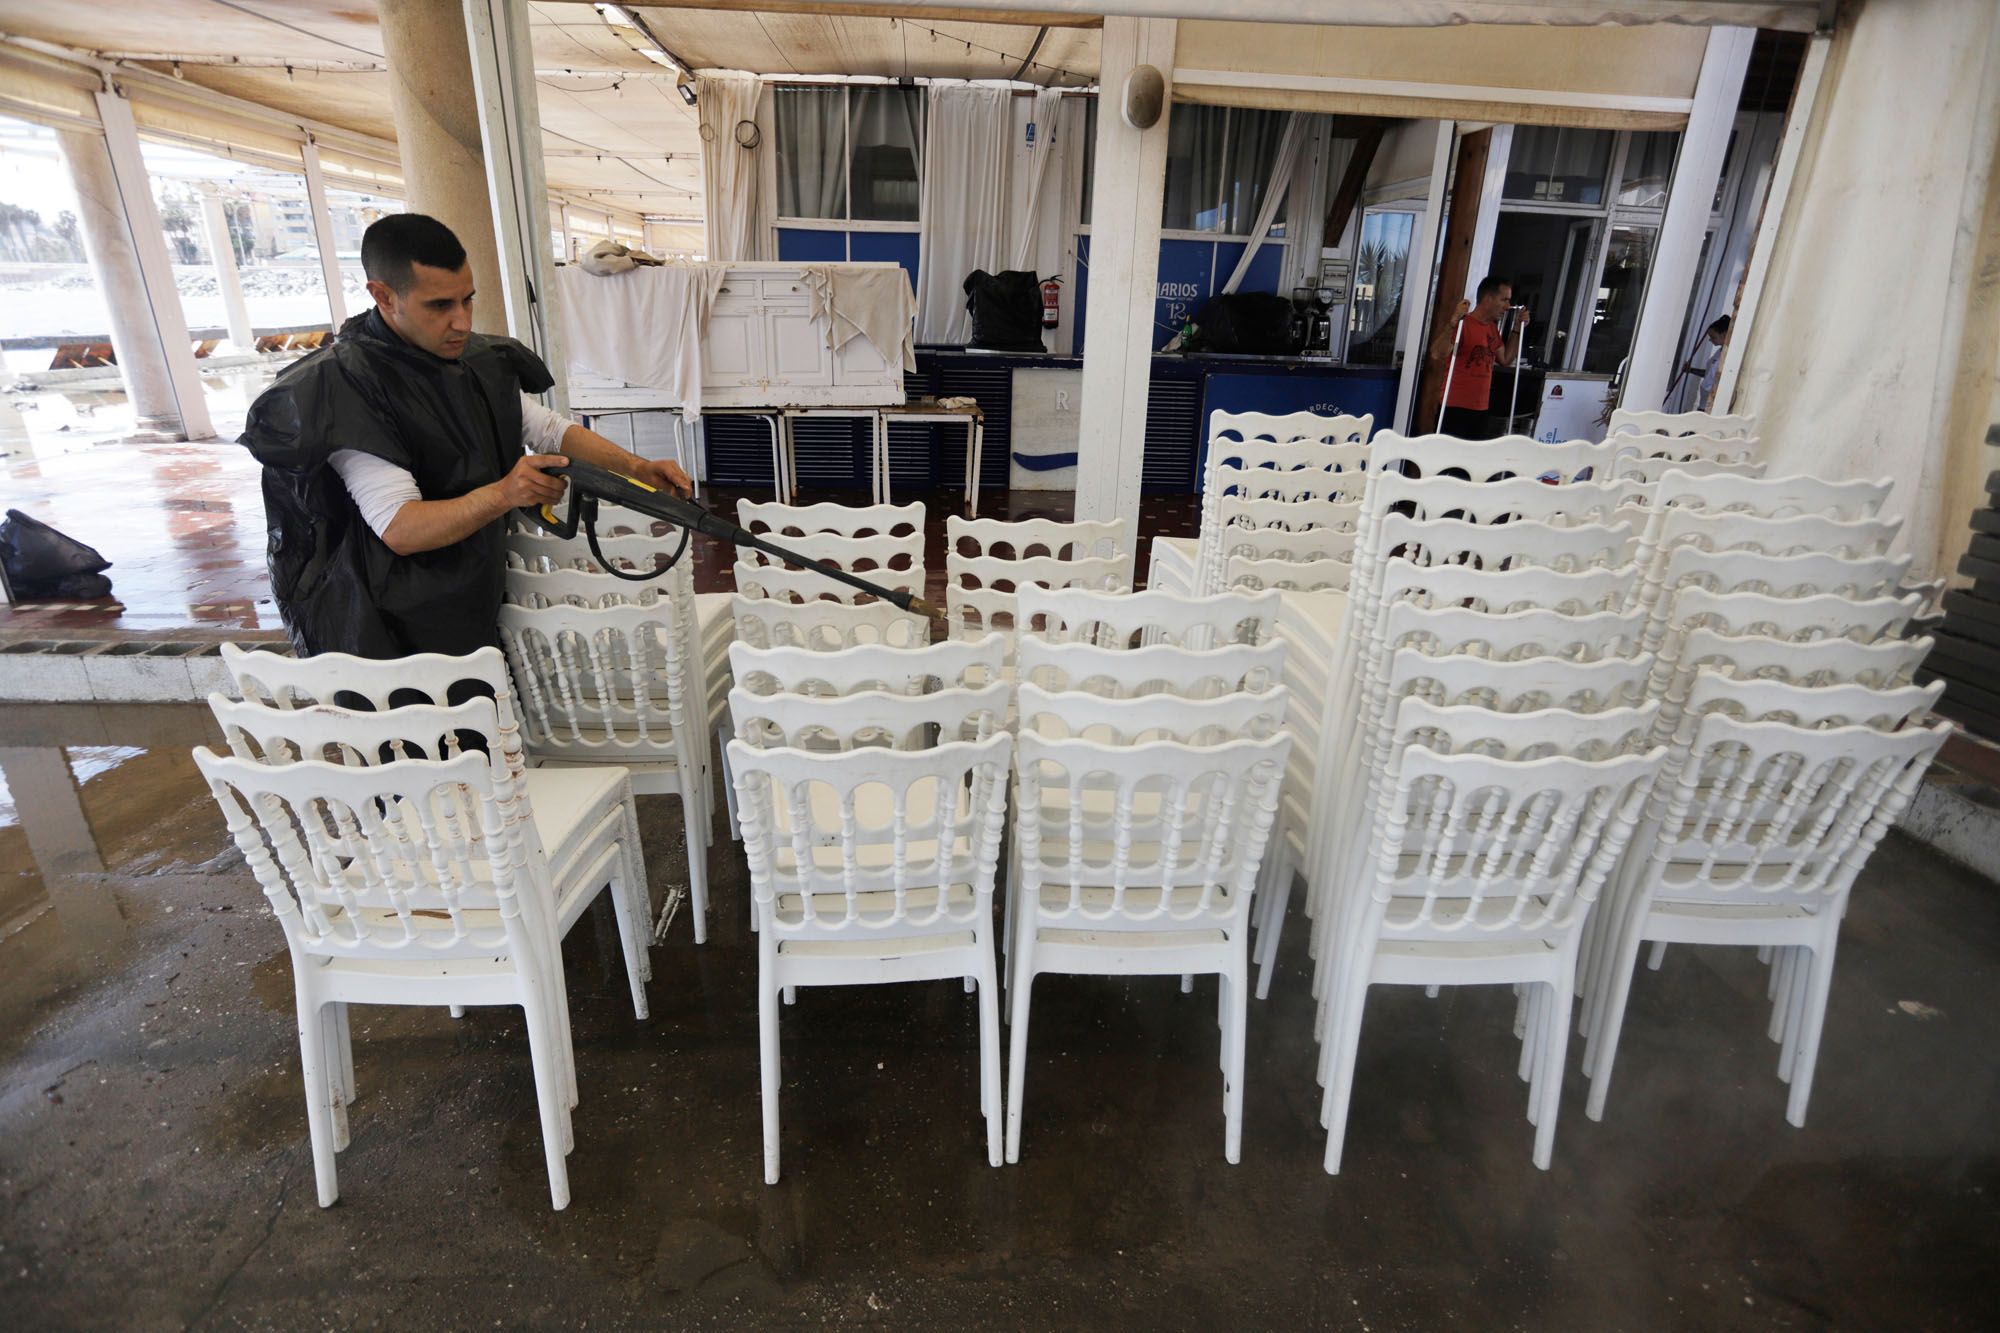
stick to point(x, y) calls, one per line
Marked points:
point(393, 455)
point(1475, 331)
point(1717, 336)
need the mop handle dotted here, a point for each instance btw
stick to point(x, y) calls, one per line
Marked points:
point(1450, 369)
point(1520, 342)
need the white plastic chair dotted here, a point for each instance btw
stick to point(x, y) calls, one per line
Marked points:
point(825, 626)
point(1624, 422)
point(614, 685)
point(782, 583)
point(1139, 860)
point(796, 670)
point(1482, 875)
point(1757, 843)
point(785, 522)
point(1140, 619)
point(1649, 471)
point(897, 885)
point(1005, 557)
point(1695, 447)
point(1228, 430)
point(398, 924)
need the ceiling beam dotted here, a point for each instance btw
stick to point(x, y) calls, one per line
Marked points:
point(1019, 18)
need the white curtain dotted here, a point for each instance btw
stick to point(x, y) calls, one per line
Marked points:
point(1047, 110)
point(812, 151)
point(730, 175)
point(967, 148)
point(1895, 378)
point(1322, 161)
point(1277, 188)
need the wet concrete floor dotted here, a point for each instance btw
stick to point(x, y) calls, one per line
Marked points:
point(154, 1170)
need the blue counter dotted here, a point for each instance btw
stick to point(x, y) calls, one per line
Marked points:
point(1183, 391)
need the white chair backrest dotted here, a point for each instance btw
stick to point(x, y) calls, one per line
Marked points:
point(1297, 545)
point(1814, 707)
point(576, 587)
point(1135, 619)
point(1475, 846)
point(1511, 634)
point(798, 586)
point(1830, 616)
point(1003, 539)
point(1237, 513)
point(780, 521)
point(1509, 545)
point(400, 860)
point(1232, 429)
point(1535, 733)
point(820, 867)
point(1278, 484)
point(1162, 831)
point(1793, 534)
point(1572, 592)
point(283, 681)
point(326, 734)
point(1137, 719)
point(1763, 811)
point(873, 556)
point(1770, 497)
point(1681, 423)
point(869, 717)
point(1487, 460)
point(1882, 665)
point(982, 591)
point(824, 626)
point(1695, 447)
point(1510, 499)
point(1635, 467)
point(605, 683)
point(798, 670)
point(540, 552)
point(1247, 573)
point(1192, 673)
point(1521, 685)
point(1808, 575)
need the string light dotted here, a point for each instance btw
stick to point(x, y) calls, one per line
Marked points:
point(1055, 71)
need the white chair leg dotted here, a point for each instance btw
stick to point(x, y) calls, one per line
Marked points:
point(1187, 983)
point(633, 932)
point(791, 995)
point(339, 1068)
point(1233, 987)
point(458, 1011)
point(543, 1052)
point(1344, 1036)
point(1819, 982)
point(1796, 995)
point(319, 1097)
point(1017, 1053)
point(1555, 1044)
point(767, 1053)
point(1601, 1048)
point(990, 1106)
point(691, 817)
point(728, 785)
point(1658, 956)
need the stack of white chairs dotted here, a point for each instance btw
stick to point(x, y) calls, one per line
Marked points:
point(1706, 441)
point(871, 788)
point(882, 542)
point(612, 672)
point(1146, 790)
point(412, 858)
point(1276, 491)
point(988, 561)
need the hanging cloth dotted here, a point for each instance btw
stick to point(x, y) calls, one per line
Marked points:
point(1275, 191)
point(967, 148)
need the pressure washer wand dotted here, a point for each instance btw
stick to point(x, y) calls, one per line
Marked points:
point(589, 484)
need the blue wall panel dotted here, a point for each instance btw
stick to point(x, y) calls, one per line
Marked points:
point(802, 245)
point(900, 246)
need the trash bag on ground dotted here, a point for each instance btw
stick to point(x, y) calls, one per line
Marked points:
point(43, 563)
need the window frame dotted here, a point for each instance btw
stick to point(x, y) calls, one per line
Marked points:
point(850, 222)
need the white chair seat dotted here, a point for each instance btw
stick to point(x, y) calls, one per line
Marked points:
point(1125, 941)
point(569, 805)
point(900, 946)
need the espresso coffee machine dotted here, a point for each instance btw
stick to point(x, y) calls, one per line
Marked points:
point(1312, 322)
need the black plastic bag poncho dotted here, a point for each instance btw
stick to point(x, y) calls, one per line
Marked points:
point(453, 425)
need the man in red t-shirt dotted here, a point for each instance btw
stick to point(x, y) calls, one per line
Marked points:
point(1480, 348)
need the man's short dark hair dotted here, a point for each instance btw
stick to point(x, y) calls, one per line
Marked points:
point(1492, 283)
point(392, 244)
point(1721, 324)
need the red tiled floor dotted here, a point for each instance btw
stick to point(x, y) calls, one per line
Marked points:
point(183, 527)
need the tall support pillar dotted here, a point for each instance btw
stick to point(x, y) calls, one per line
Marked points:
point(1416, 299)
point(323, 238)
point(235, 310)
point(1118, 339)
point(1690, 199)
point(511, 125)
point(128, 252)
point(437, 136)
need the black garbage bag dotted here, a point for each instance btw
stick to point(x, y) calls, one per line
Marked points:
point(42, 563)
point(1006, 310)
point(1257, 323)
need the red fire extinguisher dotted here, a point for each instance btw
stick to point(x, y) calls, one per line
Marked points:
point(1051, 302)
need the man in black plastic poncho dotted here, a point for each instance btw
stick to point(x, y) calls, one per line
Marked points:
point(392, 456)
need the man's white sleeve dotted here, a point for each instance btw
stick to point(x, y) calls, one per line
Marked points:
point(541, 429)
point(379, 487)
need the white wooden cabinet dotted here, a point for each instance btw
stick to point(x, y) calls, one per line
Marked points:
point(762, 347)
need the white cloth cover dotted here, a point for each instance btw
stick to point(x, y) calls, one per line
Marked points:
point(1873, 348)
point(642, 327)
point(730, 175)
point(1276, 190)
point(1047, 111)
point(871, 303)
point(967, 151)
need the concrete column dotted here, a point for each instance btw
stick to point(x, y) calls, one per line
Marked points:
point(148, 332)
point(323, 237)
point(1499, 148)
point(437, 135)
point(1129, 190)
point(236, 311)
point(1690, 200)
